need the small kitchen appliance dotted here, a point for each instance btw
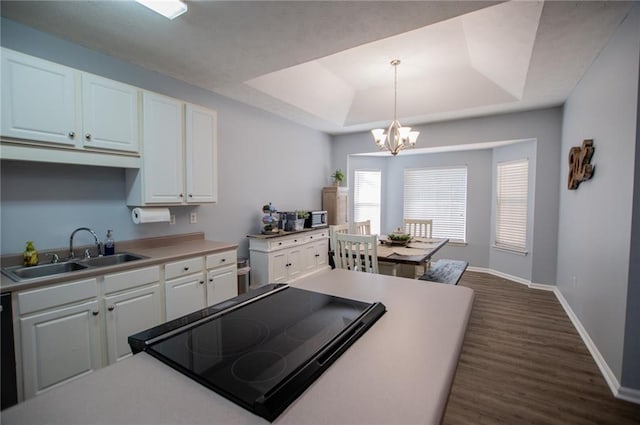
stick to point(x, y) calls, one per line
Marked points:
point(316, 219)
point(261, 349)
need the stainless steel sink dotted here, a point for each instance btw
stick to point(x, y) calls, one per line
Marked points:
point(21, 273)
point(111, 260)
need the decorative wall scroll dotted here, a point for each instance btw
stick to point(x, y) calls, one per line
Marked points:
point(580, 168)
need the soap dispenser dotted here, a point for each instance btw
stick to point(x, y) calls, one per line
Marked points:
point(30, 255)
point(109, 244)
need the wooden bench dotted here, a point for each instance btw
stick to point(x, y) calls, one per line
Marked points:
point(445, 271)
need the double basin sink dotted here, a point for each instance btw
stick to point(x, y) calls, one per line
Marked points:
point(21, 273)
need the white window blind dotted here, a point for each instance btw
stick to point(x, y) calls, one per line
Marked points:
point(512, 190)
point(438, 194)
point(366, 197)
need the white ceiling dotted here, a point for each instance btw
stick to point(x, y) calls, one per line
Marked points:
point(326, 64)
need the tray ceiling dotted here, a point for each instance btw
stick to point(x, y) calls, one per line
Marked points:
point(326, 64)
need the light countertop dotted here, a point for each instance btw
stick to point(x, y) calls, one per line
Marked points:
point(157, 250)
point(399, 372)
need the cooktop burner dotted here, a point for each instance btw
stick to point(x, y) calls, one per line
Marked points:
point(264, 348)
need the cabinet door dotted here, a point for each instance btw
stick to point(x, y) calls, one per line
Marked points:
point(127, 314)
point(222, 284)
point(322, 253)
point(278, 265)
point(109, 114)
point(201, 154)
point(310, 257)
point(184, 295)
point(296, 263)
point(38, 100)
point(59, 345)
point(162, 156)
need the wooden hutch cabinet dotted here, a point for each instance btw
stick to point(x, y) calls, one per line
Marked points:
point(335, 202)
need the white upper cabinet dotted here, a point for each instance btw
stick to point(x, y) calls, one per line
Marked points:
point(179, 154)
point(109, 114)
point(38, 99)
point(162, 157)
point(201, 154)
point(95, 120)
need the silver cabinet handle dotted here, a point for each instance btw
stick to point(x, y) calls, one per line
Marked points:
point(87, 136)
point(111, 307)
point(72, 134)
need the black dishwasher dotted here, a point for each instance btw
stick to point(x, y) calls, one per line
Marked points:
point(9, 394)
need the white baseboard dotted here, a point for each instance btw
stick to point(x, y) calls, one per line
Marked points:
point(629, 394)
point(624, 393)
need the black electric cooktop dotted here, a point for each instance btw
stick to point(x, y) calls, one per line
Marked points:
point(264, 348)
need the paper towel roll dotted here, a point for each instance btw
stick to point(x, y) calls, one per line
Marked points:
point(150, 215)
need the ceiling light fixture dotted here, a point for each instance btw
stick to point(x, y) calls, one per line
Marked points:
point(397, 136)
point(168, 8)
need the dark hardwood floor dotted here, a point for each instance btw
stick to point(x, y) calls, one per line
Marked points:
point(523, 362)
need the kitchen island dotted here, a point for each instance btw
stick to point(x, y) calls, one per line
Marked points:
point(399, 371)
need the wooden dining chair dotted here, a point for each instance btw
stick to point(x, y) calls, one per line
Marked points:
point(334, 229)
point(356, 252)
point(362, 227)
point(419, 228)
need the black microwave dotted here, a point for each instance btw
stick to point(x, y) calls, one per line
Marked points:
point(316, 219)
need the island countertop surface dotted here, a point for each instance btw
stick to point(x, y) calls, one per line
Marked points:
point(399, 372)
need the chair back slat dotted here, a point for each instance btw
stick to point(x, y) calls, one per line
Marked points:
point(419, 228)
point(362, 227)
point(356, 252)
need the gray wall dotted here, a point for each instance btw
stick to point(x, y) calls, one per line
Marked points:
point(595, 221)
point(630, 363)
point(543, 125)
point(262, 158)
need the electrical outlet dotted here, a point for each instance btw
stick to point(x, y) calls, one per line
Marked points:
point(193, 218)
point(172, 220)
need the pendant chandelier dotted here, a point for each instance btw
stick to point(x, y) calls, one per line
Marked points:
point(397, 137)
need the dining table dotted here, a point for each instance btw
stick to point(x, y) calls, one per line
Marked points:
point(417, 251)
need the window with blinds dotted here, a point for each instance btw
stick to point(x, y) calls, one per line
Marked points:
point(438, 194)
point(366, 197)
point(512, 192)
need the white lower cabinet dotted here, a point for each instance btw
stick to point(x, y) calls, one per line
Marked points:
point(222, 284)
point(60, 334)
point(287, 258)
point(131, 304)
point(184, 295)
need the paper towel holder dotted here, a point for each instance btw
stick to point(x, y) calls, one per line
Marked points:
point(150, 215)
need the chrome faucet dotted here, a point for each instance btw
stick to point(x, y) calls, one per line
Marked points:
point(98, 242)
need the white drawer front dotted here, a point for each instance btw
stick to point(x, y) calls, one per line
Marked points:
point(53, 296)
point(130, 279)
point(316, 237)
point(284, 243)
point(183, 267)
point(221, 259)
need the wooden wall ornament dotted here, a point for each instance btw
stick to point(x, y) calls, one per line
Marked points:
point(580, 167)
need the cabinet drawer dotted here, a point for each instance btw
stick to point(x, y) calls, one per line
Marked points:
point(183, 267)
point(53, 296)
point(284, 243)
point(130, 279)
point(221, 259)
point(315, 237)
